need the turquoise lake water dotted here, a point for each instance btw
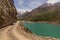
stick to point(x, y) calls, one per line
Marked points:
point(44, 29)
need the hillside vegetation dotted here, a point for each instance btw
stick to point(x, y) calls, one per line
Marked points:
point(44, 12)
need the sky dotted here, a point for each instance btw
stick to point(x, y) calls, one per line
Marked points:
point(27, 5)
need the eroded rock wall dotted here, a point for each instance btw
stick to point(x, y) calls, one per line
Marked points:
point(7, 12)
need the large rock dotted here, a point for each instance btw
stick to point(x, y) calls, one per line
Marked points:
point(7, 12)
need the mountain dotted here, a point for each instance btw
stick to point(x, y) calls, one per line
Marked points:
point(19, 16)
point(45, 12)
point(7, 12)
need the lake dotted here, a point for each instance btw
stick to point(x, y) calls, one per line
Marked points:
point(44, 29)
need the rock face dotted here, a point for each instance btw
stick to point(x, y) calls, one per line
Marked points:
point(7, 12)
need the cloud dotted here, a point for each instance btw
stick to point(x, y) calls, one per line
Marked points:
point(22, 10)
point(20, 2)
point(53, 1)
point(35, 4)
point(27, 5)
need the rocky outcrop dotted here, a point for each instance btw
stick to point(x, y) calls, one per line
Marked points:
point(7, 12)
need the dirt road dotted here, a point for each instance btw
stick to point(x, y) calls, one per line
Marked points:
point(11, 33)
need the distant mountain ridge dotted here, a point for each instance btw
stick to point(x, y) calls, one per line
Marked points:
point(40, 13)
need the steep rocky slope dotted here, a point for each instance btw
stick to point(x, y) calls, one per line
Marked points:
point(44, 12)
point(7, 12)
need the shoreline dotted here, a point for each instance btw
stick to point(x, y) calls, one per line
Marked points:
point(38, 37)
point(49, 22)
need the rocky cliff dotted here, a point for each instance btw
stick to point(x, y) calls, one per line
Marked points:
point(7, 12)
